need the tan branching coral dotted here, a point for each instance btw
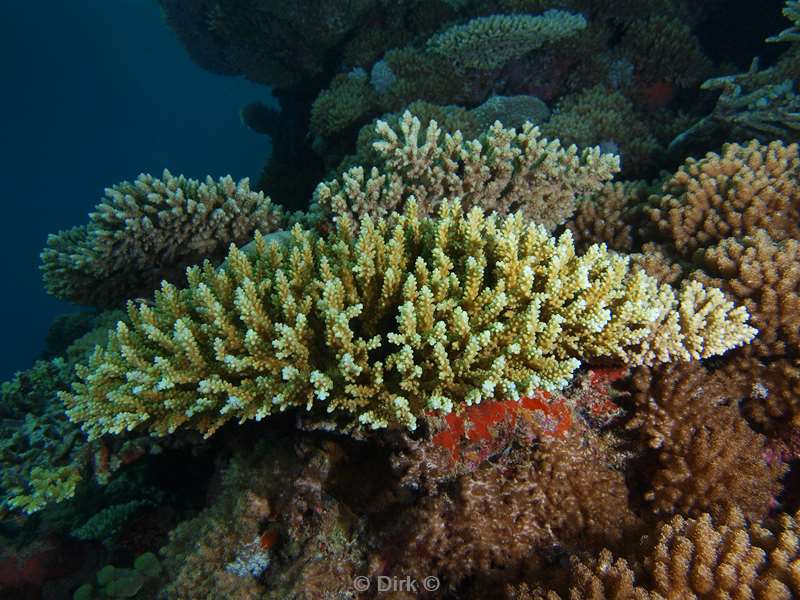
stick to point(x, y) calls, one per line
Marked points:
point(490, 42)
point(150, 230)
point(711, 557)
point(747, 187)
point(605, 216)
point(707, 453)
point(764, 275)
point(503, 170)
point(379, 322)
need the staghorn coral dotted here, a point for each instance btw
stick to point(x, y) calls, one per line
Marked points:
point(380, 322)
point(707, 453)
point(792, 12)
point(150, 230)
point(714, 556)
point(759, 104)
point(490, 42)
point(502, 170)
point(731, 195)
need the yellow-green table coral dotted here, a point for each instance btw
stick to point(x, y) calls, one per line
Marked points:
point(381, 321)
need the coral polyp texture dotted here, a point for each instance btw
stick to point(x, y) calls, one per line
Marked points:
point(490, 42)
point(503, 170)
point(379, 322)
point(149, 230)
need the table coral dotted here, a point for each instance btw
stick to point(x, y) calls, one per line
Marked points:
point(490, 42)
point(150, 230)
point(379, 322)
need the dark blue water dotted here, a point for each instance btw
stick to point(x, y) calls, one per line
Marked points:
point(95, 92)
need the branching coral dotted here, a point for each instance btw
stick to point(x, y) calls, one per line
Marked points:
point(709, 557)
point(764, 275)
point(349, 99)
point(792, 12)
point(283, 44)
point(504, 513)
point(707, 453)
point(490, 42)
point(379, 322)
point(150, 230)
point(773, 401)
point(604, 216)
point(732, 195)
point(502, 170)
point(663, 49)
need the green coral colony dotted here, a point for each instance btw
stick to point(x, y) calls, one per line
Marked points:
point(460, 293)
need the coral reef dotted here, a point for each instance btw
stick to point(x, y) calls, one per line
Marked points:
point(490, 306)
point(150, 230)
point(601, 117)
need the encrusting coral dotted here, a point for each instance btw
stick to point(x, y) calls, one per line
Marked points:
point(502, 170)
point(149, 230)
point(381, 321)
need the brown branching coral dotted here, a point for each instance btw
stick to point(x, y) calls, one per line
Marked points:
point(707, 453)
point(733, 194)
point(555, 495)
point(773, 401)
point(150, 230)
point(764, 275)
point(606, 216)
point(719, 556)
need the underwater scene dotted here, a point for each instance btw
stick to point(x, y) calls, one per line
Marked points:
point(469, 299)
